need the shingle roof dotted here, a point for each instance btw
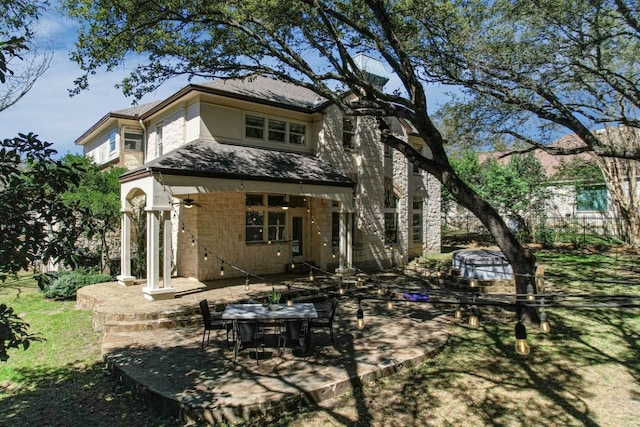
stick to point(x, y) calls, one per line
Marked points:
point(215, 160)
point(268, 89)
point(136, 110)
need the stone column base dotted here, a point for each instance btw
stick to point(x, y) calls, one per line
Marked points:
point(159, 294)
point(346, 271)
point(126, 280)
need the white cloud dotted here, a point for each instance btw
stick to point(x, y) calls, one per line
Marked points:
point(48, 111)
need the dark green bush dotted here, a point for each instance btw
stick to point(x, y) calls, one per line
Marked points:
point(66, 285)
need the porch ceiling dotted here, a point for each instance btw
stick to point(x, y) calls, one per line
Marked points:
point(210, 159)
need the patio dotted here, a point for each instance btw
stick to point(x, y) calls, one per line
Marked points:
point(154, 346)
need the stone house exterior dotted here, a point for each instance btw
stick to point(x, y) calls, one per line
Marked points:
point(247, 177)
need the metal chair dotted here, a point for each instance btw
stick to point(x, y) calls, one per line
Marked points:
point(247, 334)
point(325, 319)
point(210, 323)
point(294, 331)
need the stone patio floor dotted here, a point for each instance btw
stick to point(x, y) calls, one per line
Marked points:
point(155, 347)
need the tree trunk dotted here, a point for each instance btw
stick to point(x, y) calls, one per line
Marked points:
point(620, 177)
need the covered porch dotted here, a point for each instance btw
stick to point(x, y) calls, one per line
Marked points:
point(235, 211)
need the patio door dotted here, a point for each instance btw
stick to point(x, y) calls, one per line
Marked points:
point(297, 238)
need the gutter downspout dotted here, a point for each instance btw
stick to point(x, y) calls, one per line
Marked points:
point(144, 144)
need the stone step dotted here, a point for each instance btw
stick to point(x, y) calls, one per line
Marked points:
point(112, 326)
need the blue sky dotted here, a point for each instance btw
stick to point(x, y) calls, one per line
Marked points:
point(47, 109)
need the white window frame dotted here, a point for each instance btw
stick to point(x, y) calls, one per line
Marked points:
point(349, 132)
point(266, 130)
point(137, 132)
point(267, 213)
point(417, 231)
point(159, 127)
point(113, 141)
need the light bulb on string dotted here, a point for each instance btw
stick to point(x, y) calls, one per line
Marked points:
point(278, 253)
point(360, 316)
point(222, 268)
point(544, 323)
point(206, 254)
point(311, 277)
point(193, 242)
point(522, 347)
point(474, 318)
point(530, 295)
point(246, 283)
point(183, 228)
point(390, 302)
point(289, 296)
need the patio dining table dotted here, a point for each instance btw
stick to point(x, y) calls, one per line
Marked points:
point(298, 311)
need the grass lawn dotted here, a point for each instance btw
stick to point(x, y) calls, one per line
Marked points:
point(584, 372)
point(62, 381)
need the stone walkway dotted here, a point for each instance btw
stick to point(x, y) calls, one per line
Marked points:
point(154, 346)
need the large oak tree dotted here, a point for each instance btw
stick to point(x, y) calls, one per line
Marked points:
point(496, 48)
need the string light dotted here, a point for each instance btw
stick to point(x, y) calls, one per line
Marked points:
point(289, 296)
point(193, 242)
point(474, 319)
point(530, 295)
point(206, 255)
point(246, 283)
point(360, 315)
point(390, 302)
point(278, 253)
point(522, 347)
point(222, 268)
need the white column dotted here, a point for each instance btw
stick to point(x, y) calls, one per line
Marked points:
point(153, 250)
point(349, 243)
point(343, 241)
point(154, 289)
point(166, 262)
point(125, 278)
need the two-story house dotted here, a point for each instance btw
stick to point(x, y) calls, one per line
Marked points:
point(246, 177)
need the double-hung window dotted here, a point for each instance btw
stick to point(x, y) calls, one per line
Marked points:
point(349, 132)
point(274, 130)
point(133, 139)
point(112, 141)
point(390, 214)
point(591, 198)
point(265, 219)
point(159, 139)
point(416, 221)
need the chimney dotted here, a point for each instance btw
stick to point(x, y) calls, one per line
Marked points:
point(372, 69)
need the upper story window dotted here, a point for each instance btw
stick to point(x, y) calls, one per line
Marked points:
point(591, 198)
point(112, 141)
point(274, 130)
point(133, 139)
point(159, 139)
point(349, 132)
point(416, 169)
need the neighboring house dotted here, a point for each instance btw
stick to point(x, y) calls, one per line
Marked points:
point(585, 202)
point(254, 175)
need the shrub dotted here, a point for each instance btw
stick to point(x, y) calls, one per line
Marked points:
point(67, 284)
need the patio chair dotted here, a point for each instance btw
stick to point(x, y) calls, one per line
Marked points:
point(247, 334)
point(325, 319)
point(295, 331)
point(210, 323)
